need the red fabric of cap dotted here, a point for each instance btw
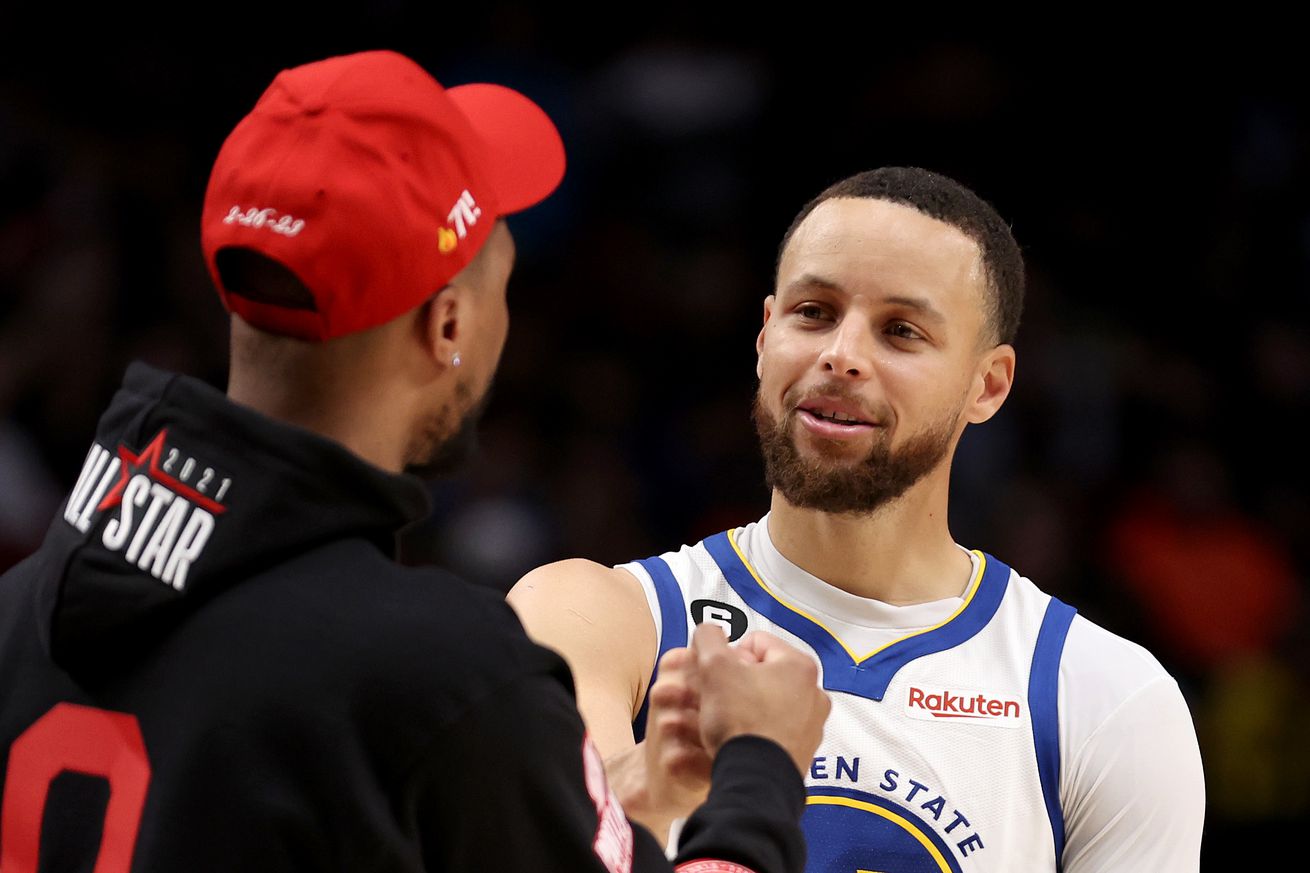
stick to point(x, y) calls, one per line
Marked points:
point(373, 184)
point(526, 155)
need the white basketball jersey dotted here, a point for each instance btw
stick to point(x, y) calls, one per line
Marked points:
point(942, 752)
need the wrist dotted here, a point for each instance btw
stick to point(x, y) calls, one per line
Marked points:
point(626, 773)
point(631, 778)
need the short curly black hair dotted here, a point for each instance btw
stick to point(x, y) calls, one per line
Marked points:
point(946, 200)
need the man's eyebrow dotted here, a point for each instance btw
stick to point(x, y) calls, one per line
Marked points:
point(920, 305)
point(810, 280)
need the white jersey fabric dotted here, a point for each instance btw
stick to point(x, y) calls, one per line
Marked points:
point(993, 731)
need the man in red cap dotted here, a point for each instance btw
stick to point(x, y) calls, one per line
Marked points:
point(213, 661)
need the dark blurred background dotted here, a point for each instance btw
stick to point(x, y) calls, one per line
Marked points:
point(1146, 467)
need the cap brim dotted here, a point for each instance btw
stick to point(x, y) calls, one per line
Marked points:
point(526, 160)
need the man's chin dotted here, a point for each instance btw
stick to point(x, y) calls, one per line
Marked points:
point(856, 476)
point(451, 457)
point(839, 454)
point(448, 456)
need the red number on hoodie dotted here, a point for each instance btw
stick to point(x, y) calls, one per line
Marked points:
point(84, 740)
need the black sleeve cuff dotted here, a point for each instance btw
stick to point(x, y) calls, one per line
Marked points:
point(752, 814)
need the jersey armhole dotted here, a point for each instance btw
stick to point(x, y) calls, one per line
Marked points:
point(1044, 712)
point(669, 610)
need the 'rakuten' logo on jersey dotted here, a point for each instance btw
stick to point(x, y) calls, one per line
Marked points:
point(952, 704)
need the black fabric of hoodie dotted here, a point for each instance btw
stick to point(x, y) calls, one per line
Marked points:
point(304, 702)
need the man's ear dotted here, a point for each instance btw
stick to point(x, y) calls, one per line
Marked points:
point(759, 340)
point(991, 384)
point(441, 322)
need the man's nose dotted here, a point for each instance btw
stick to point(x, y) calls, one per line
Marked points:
point(849, 350)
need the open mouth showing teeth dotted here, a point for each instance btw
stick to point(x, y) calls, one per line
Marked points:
point(835, 417)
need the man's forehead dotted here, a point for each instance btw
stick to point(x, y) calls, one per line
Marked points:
point(501, 245)
point(869, 226)
point(854, 241)
point(513, 246)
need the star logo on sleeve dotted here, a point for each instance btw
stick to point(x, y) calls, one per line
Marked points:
point(149, 458)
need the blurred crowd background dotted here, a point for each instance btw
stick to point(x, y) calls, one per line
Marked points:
point(1146, 468)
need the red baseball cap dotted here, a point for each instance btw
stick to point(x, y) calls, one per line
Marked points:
point(373, 184)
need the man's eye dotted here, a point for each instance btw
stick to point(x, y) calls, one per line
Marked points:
point(810, 310)
point(903, 331)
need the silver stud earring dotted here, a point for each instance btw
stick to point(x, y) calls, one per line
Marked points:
point(456, 361)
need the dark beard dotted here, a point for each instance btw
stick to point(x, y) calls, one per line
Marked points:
point(441, 448)
point(859, 487)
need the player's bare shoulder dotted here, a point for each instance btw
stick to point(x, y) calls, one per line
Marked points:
point(607, 599)
point(597, 617)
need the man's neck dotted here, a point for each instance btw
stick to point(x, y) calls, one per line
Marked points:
point(338, 389)
point(360, 425)
point(901, 554)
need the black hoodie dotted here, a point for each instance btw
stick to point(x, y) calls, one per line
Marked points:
point(213, 662)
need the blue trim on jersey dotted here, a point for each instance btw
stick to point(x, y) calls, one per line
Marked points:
point(870, 677)
point(924, 828)
point(1044, 709)
point(673, 627)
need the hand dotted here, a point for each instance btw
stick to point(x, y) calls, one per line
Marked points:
point(677, 762)
point(762, 687)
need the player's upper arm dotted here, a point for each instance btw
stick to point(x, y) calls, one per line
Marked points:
point(597, 617)
point(1136, 798)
